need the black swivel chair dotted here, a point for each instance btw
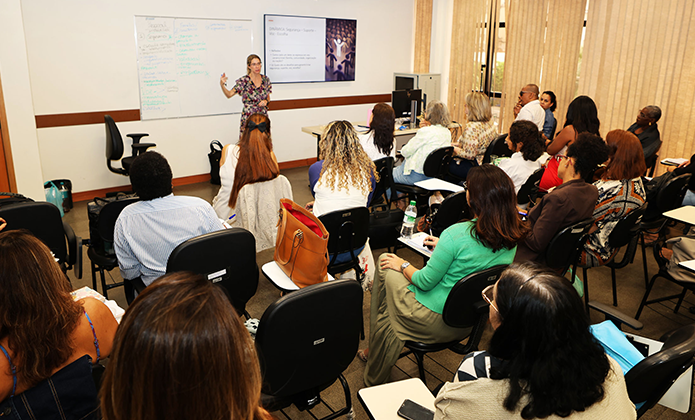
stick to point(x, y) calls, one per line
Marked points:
point(348, 230)
point(625, 232)
point(227, 258)
point(114, 147)
point(384, 219)
point(497, 147)
point(464, 308)
point(101, 252)
point(43, 220)
point(305, 340)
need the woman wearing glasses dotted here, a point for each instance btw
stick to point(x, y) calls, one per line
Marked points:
point(536, 369)
point(582, 116)
point(407, 303)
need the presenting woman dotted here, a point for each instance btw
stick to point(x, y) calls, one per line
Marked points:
point(470, 148)
point(251, 160)
point(542, 361)
point(48, 341)
point(407, 303)
point(254, 89)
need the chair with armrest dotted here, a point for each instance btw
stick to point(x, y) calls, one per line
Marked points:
point(529, 191)
point(384, 221)
point(625, 233)
point(436, 166)
point(348, 230)
point(464, 308)
point(654, 223)
point(227, 258)
point(305, 340)
point(101, 252)
point(651, 161)
point(453, 209)
point(498, 147)
point(564, 249)
point(114, 147)
point(43, 220)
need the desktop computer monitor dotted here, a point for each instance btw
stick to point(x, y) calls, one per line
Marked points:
point(400, 101)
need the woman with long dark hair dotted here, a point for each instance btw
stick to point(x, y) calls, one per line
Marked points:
point(48, 341)
point(247, 162)
point(582, 116)
point(379, 141)
point(542, 361)
point(181, 352)
point(407, 303)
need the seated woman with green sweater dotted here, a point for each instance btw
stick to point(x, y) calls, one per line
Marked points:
point(407, 303)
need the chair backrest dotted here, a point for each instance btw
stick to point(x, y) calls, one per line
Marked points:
point(498, 148)
point(43, 220)
point(627, 227)
point(226, 257)
point(530, 187)
point(649, 380)
point(384, 169)
point(108, 216)
point(114, 141)
point(348, 229)
point(453, 209)
point(437, 162)
point(307, 338)
point(671, 196)
point(563, 250)
point(460, 307)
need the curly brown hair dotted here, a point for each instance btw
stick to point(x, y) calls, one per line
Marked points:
point(344, 160)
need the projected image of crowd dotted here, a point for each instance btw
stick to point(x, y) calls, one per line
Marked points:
point(340, 49)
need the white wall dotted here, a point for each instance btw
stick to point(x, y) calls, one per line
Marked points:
point(14, 73)
point(82, 58)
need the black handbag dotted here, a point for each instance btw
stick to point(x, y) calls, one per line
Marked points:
point(215, 155)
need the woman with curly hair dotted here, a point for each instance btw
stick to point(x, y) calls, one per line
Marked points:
point(542, 361)
point(407, 303)
point(345, 176)
point(48, 341)
point(526, 142)
point(379, 141)
point(247, 162)
point(181, 352)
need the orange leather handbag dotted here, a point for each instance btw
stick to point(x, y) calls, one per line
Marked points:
point(301, 247)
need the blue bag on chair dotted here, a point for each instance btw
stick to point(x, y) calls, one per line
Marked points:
point(54, 196)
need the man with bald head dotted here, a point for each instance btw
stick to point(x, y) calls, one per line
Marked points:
point(529, 107)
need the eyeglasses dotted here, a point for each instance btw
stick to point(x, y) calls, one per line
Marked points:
point(488, 297)
point(522, 92)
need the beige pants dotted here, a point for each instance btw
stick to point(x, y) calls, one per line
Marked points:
point(396, 316)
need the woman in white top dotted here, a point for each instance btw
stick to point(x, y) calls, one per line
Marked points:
point(433, 134)
point(346, 172)
point(247, 162)
point(528, 146)
point(379, 141)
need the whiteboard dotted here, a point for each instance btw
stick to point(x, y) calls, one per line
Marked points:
point(180, 62)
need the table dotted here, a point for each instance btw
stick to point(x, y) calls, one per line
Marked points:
point(279, 279)
point(402, 136)
point(685, 214)
point(382, 402)
point(415, 243)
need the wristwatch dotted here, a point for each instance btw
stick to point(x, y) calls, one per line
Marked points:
point(404, 266)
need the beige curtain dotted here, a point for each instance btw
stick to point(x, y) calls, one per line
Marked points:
point(543, 43)
point(469, 40)
point(423, 36)
point(639, 53)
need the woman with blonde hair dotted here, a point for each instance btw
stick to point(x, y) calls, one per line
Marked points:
point(247, 162)
point(620, 191)
point(48, 341)
point(469, 149)
point(181, 352)
point(254, 89)
point(345, 176)
point(433, 134)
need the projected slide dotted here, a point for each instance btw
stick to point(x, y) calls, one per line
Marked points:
point(309, 49)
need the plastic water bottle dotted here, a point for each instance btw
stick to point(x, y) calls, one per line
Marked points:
point(409, 220)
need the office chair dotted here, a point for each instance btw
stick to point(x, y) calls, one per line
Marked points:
point(464, 308)
point(652, 160)
point(227, 258)
point(498, 148)
point(565, 248)
point(384, 221)
point(43, 220)
point(101, 253)
point(529, 190)
point(453, 209)
point(305, 340)
point(436, 166)
point(348, 230)
point(114, 147)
